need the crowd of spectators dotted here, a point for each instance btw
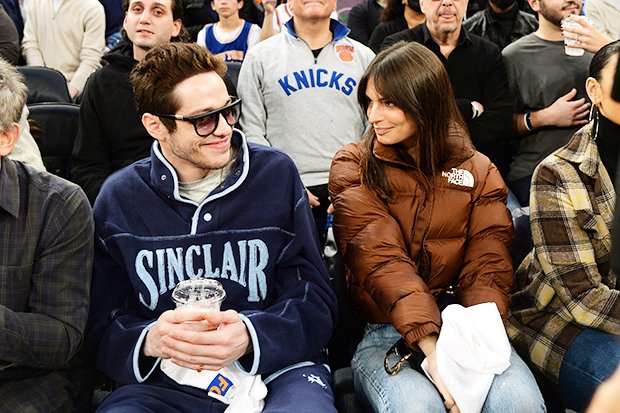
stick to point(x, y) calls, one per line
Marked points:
point(528, 125)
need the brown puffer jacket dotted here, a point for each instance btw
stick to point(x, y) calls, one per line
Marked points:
point(398, 254)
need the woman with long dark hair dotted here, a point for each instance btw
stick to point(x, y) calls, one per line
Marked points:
point(565, 312)
point(421, 220)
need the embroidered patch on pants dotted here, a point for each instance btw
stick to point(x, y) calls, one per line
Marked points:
point(313, 378)
point(219, 385)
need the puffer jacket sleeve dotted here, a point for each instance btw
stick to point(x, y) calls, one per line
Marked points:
point(374, 250)
point(486, 274)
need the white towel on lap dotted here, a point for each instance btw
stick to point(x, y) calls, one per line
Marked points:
point(243, 393)
point(471, 349)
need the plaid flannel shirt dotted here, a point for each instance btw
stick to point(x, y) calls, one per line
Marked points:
point(565, 284)
point(46, 252)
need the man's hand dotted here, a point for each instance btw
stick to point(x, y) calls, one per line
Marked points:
point(563, 112)
point(73, 92)
point(588, 38)
point(428, 345)
point(269, 6)
point(198, 339)
point(314, 200)
point(478, 106)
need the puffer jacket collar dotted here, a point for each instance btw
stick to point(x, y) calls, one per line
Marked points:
point(388, 153)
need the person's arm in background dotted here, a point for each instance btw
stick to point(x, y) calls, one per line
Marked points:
point(357, 22)
point(91, 160)
point(93, 43)
point(52, 330)
point(254, 114)
point(562, 113)
point(9, 38)
point(493, 120)
point(267, 29)
point(30, 43)
point(377, 37)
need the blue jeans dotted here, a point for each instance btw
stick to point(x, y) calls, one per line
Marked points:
point(512, 202)
point(590, 359)
point(515, 390)
point(521, 189)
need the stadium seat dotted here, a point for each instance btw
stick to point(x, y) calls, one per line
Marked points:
point(55, 127)
point(45, 85)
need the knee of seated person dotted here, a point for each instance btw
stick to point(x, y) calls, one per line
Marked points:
point(515, 397)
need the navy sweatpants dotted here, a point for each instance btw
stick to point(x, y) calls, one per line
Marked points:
point(301, 390)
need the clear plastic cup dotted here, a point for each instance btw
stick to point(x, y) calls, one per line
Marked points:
point(571, 46)
point(204, 294)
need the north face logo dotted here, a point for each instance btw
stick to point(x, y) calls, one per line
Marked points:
point(461, 177)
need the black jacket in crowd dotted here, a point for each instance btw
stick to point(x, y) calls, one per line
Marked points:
point(485, 25)
point(478, 73)
point(362, 20)
point(110, 133)
point(9, 39)
point(384, 30)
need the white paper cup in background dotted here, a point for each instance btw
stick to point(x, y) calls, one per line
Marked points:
point(203, 293)
point(571, 46)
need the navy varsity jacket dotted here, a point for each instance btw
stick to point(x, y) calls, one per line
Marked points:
point(254, 233)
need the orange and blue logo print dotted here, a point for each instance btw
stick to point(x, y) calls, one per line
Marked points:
point(219, 385)
point(345, 52)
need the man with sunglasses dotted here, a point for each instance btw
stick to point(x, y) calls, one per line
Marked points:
point(206, 204)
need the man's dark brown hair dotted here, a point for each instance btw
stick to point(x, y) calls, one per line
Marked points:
point(165, 66)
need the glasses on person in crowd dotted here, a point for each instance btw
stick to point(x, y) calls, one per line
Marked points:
point(206, 123)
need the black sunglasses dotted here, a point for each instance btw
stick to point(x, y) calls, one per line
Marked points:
point(206, 123)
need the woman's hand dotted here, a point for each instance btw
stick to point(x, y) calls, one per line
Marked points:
point(607, 396)
point(587, 36)
point(428, 345)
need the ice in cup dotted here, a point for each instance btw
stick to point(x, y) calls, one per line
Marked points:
point(203, 293)
point(571, 46)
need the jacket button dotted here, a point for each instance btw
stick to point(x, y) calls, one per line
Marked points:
point(237, 173)
point(163, 177)
point(208, 217)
